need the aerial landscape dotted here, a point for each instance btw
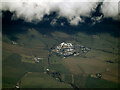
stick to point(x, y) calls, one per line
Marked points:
point(60, 44)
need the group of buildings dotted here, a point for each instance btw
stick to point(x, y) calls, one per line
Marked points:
point(37, 59)
point(97, 75)
point(68, 49)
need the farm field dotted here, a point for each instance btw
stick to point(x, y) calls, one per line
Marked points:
point(41, 80)
point(75, 71)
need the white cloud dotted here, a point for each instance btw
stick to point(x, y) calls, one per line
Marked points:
point(73, 10)
point(110, 9)
point(53, 22)
point(97, 19)
point(76, 21)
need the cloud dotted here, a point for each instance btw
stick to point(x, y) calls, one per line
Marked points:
point(110, 9)
point(72, 10)
point(76, 20)
point(97, 19)
point(53, 22)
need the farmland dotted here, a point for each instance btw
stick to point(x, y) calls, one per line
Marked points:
point(19, 59)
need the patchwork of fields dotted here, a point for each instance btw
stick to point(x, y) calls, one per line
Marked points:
point(75, 72)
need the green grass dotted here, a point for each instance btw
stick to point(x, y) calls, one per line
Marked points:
point(104, 41)
point(59, 68)
point(54, 59)
point(68, 78)
point(5, 54)
point(14, 69)
point(6, 39)
point(79, 81)
point(33, 39)
point(40, 80)
point(99, 83)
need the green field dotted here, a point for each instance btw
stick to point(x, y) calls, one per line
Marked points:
point(96, 83)
point(41, 80)
point(18, 60)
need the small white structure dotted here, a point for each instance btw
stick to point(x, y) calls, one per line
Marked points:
point(47, 69)
point(17, 86)
point(14, 43)
point(36, 60)
point(93, 76)
point(84, 51)
point(39, 58)
point(62, 44)
point(65, 44)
